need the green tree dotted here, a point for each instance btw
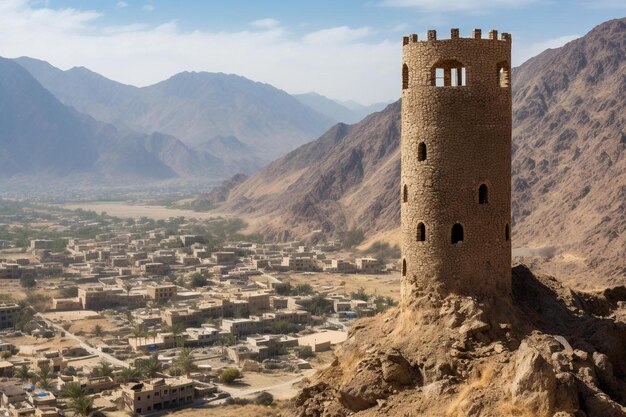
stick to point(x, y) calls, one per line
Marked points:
point(128, 286)
point(23, 373)
point(43, 376)
point(303, 289)
point(228, 339)
point(198, 280)
point(230, 375)
point(355, 237)
point(27, 281)
point(83, 406)
point(72, 390)
point(320, 305)
point(98, 331)
point(129, 375)
point(6, 355)
point(104, 368)
point(283, 289)
point(283, 327)
point(184, 362)
point(360, 295)
point(305, 352)
point(151, 367)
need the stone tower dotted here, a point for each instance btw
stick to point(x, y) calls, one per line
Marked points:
point(456, 165)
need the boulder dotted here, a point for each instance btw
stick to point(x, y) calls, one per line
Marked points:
point(534, 382)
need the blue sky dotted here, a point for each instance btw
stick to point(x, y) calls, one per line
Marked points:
point(344, 49)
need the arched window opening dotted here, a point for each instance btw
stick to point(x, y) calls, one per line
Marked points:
point(483, 194)
point(449, 73)
point(405, 194)
point(457, 234)
point(421, 232)
point(504, 74)
point(405, 76)
point(421, 151)
point(507, 232)
point(404, 267)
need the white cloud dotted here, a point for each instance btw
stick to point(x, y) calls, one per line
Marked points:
point(457, 5)
point(340, 34)
point(121, 4)
point(523, 52)
point(148, 7)
point(339, 62)
point(268, 23)
point(401, 27)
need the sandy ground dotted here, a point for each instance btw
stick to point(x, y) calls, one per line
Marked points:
point(387, 285)
point(119, 209)
point(231, 411)
point(28, 343)
point(334, 336)
point(71, 315)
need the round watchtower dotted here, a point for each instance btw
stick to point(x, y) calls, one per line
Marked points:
point(456, 165)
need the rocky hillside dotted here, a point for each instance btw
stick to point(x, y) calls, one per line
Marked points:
point(545, 351)
point(569, 160)
point(569, 139)
point(195, 107)
point(346, 177)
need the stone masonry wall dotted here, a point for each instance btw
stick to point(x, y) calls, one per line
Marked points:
point(467, 134)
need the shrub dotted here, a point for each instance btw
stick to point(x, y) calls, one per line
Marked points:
point(230, 375)
point(264, 398)
point(305, 352)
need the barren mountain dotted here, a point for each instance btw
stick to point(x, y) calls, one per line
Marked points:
point(192, 106)
point(569, 161)
point(42, 138)
point(569, 179)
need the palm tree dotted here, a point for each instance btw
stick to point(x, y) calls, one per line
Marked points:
point(151, 367)
point(177, 329)
point(140, 331)
point(23, 373)
point(83, 406)
point(130, 317)
point(184, 362)
point(103, 369)
point(43, 376)
point(72, 390)
point(129, 375)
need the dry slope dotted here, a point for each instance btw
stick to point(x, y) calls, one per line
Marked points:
point(546, 351)
point(569, 179)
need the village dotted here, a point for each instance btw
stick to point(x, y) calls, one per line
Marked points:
point(139, 317)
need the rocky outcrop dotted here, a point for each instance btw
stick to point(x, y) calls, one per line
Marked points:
point(537, 354)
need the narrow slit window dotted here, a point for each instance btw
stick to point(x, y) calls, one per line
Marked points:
point(421, 151)
point(405, 76)
point(507, 232)
point(405, 194)
point(457, 234)
point(404, 267)
point(421, 232)
point(483, 194)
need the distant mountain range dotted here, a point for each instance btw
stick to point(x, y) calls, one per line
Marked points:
point(346, 112)
point(569, 166)
point(194, 107)
point(193, 125)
